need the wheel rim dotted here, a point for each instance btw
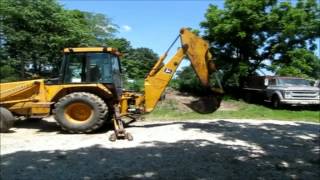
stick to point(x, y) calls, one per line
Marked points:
point(78, 112)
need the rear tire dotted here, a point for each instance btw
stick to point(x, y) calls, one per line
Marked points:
point(80, 112)
point(6, 120)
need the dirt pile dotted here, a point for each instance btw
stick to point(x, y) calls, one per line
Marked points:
point(185, 102)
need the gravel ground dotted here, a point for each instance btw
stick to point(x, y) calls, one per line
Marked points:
point(204, 149)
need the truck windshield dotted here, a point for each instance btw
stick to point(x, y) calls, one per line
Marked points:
point(294, 82)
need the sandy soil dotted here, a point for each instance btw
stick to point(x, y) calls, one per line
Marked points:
point(204, 149)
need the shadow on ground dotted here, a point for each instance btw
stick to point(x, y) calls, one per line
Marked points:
point(42, 125)
point(290, 152)
point(39, 124)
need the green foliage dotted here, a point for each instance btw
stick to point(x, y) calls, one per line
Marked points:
point(246, 33)
point(303, 64)
point(138, 62)
point(292, 48)
point(100, 28)
point(121, 44)
point(35, 31)
point(7, 74)
point(168, 110)
point(187, 81)
point(135, 85)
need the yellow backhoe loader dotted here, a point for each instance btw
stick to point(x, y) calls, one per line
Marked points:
point(89, 90)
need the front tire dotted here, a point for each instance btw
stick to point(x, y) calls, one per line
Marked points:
point(6, 120)
point(248, 97)
point(276, 104)
point(80, 112)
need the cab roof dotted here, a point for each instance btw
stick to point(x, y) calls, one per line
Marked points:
point(91, 49)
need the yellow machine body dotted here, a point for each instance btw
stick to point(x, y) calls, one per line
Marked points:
point(34, 98)
point(80, 105)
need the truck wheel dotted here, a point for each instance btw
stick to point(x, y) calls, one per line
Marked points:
point(248, 97)
point(275, 102)
point(80, 112)
point(6, 120)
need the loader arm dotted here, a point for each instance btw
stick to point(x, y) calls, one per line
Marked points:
point(193, 48)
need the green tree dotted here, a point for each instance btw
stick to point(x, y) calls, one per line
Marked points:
point(246, 33)
point(100, 28)
point(303, 64)
point(293, 39)
point(35, 31)
point(122, 44)
point(138, 62)
point(187, 81)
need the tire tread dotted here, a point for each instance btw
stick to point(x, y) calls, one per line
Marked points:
point(102, 108)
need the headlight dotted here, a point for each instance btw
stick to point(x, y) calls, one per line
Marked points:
point(287, 94)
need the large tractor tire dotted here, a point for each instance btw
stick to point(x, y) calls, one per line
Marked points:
point(6, 120)
point(80, 112)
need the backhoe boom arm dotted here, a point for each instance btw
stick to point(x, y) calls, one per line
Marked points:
point(193, 48)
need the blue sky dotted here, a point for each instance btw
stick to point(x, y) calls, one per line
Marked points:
point(151, 23)
point(146, 23)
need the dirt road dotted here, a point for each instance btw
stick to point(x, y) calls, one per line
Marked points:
point(214, 149)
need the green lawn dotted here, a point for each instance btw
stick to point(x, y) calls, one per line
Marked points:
point(167, 110)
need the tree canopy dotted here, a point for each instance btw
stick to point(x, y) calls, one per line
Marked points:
point(136, 62)
point(33, 33)
point(246, 34)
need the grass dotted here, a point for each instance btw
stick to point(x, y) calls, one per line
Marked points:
point(169, 111)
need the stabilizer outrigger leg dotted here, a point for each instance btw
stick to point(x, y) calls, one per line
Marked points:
point(119, 130)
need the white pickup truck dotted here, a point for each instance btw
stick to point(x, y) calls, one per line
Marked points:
point(281, 90)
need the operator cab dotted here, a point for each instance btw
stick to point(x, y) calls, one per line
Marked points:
point(91, 65)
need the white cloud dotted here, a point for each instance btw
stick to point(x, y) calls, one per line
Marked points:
point(126, 28)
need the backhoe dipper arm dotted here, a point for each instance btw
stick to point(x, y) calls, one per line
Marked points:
point(196, 50)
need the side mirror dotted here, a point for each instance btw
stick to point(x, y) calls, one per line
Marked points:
point(266, 82)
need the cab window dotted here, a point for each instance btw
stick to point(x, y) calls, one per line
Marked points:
point(74, 68)
point(94, 67)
